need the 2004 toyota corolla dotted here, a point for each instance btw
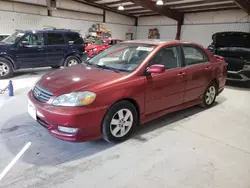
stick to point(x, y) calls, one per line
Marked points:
point(129, 84)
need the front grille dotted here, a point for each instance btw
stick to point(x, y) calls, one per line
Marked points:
point(42, 94)
point(44, 123)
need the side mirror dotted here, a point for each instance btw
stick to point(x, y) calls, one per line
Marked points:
point(157, 69)
point(24, 43)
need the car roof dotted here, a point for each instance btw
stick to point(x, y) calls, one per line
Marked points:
point(51, 31)
point(159, 42)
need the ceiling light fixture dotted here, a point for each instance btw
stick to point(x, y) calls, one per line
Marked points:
point(120, 7)
point(159, 2)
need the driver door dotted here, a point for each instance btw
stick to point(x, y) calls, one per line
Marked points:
point(165, 90)
point(30, 52)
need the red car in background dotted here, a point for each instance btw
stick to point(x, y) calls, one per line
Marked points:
point(128, 84)
point(100, 45)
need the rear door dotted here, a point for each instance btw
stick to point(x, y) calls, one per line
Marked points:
point(31, 51)
point(198, 71)
point(75, 42)
point(55, 48)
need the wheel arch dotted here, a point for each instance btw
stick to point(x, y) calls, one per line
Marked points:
point(132, 101)
point(70, 55)
point(8, 58)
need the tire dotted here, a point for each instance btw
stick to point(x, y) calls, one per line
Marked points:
point(55, 67)
point(6, 69)
point(71, 60)
point(119, 122)
point(210, 95)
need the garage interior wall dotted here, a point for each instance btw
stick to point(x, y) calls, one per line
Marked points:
point(199, 27)
point(16, 15)
point(166, 26)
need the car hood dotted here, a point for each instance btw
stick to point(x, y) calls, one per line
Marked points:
point(4, 45)
point(76, 78)
point(91, 46)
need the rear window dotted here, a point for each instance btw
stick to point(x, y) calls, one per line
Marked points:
point(73, 38)
point(55, 39)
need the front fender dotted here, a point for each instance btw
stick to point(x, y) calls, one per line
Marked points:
point(9, 58)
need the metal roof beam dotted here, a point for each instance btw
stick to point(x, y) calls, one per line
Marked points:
point(244, 5)
point(163, 10)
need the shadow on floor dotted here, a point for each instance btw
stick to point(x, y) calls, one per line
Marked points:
point(32, 72)
point(244, 86)
point(46, 150)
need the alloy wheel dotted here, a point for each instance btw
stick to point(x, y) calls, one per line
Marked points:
point(210, 95)
point(72, 62)
point(4, 69)
point(121, 123)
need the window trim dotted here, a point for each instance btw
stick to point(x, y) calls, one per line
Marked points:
point(179, 53)
point(64, 39)
point(30, 46)
point(195, 47)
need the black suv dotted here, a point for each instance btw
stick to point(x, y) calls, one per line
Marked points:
point(43, 48)
point(235, 48)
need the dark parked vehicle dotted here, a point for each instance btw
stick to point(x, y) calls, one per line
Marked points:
point(235, 48)
point(3, 36)
point(43, 48)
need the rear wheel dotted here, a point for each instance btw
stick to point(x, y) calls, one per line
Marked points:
point(209, 95)
point(6, 69)
point(71, 61)
point(119, 122)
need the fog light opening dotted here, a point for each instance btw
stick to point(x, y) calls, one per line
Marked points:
point(67, 129)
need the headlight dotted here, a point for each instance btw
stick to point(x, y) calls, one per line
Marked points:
point(75, 99)
point(94, 49)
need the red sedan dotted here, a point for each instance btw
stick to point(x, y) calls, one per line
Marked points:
point(100, 45)
point(130, 83)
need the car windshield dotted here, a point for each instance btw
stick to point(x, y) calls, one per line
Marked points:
point(125, 57)
point(15, 37)
point(98, 42)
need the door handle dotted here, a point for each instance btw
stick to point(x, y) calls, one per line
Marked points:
point(181, 74)
point(208, 68)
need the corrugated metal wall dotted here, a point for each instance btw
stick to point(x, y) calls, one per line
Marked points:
point(200, 27)
point(166, 26)
point(23, 16)
point(197, 27)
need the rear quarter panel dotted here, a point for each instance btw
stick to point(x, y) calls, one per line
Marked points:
point(219, 68)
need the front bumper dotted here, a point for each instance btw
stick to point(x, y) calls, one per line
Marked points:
point(87, 120)
point(241, 76)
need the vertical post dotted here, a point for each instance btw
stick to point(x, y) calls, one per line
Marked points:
point(178, 33)
point(104, 16)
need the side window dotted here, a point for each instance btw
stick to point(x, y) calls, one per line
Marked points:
point(73, 38)
point(194, 55)
point(168, 57)
point(34, 39)
point(55, 39)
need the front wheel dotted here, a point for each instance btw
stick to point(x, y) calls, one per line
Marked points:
point(209, 95)
point(6, 69)
point(71, 61)
point(119, 122)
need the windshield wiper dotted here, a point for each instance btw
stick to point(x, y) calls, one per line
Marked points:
point(107, 67)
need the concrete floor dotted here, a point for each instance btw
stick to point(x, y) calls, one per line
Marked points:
point(193, 148)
